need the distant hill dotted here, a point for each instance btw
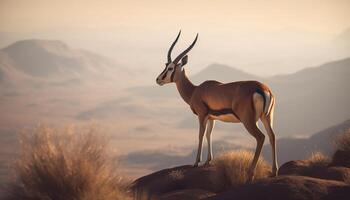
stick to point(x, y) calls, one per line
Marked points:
point(42, 58)
point(343, 40)
point(222, 73)
point(301, 148)
point(217, 72)
point(312, 99)
point(7, 71)
point(308, 101)
point(288, 149)
point(157, 160)
point(53, 60)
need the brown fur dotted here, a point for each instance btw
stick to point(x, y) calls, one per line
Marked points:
point(237, 96)
point(242, 101)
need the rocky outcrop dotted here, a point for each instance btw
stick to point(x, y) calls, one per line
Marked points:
point(193, 194)
point(288, 188)
point(341, 158)
point(295, 182)
point(176, 181)
point(303, 168)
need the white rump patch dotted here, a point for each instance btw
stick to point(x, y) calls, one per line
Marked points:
point(268, 102)
point(258, 101)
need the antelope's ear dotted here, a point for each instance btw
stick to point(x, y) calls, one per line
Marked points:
point(184, 60)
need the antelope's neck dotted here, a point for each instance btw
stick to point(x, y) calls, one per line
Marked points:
point(185, 87)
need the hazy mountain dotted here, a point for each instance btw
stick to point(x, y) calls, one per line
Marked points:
point(222, 73)
point(217, 72)
point(7, 71)
point(287, 149)
point(37, 76)
point(116, 107)
point(160, 159)
point(343, 40)
point(42, 58)
point(53, 60)
point(307, 101)
point(312, 99)
point(301, 148)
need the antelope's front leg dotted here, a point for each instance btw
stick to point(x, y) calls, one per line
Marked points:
point(202, 126)
point(210, 127)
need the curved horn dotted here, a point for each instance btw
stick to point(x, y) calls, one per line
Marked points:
point(172, 46)
point(186, 51)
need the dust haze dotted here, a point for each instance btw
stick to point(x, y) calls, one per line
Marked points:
point(96, 62)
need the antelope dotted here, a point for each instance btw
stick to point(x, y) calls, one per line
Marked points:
point(237, 102)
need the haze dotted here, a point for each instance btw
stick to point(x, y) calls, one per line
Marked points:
point(261, 37)
point(73, 62)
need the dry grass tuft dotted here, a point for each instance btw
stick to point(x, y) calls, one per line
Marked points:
point(318, 159)
point(233, 168)
point(60, 165)
point(343, 142)
point(342, 155)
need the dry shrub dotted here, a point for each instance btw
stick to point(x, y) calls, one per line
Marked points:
point(343, 141)
point(318, 160)
point(233, 168)
point(342, 155)
point(61, 165)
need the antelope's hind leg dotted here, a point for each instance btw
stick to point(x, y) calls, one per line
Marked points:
point(253, 129)
point(268, 123)
point(250, 122)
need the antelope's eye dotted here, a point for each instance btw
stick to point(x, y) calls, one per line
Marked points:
point(170, 68)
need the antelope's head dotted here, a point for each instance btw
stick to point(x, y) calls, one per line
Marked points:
point(173, 69)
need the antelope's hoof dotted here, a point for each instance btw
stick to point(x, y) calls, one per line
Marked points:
point(250, 179)
point(195, 164)
point(274, 173)
point(207, 164)
point(250, 176)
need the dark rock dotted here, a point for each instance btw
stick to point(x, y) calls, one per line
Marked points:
point(298, 180)
point(303, 168)
point(288, 188)
point(341, 158)
point(295, 167)
point(193, 194)
point(184, 177)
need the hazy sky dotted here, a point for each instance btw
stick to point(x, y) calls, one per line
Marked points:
point(329, 16)
point(239, 33)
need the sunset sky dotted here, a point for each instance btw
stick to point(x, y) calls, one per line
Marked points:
point(230, 31)
point(321, 16)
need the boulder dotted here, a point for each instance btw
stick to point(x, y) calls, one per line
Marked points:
point(179, 178)
point(303, 168)
point(193, 194)
point(296, 181)
point(341, 158)
point(288, 188)
point(295, 167)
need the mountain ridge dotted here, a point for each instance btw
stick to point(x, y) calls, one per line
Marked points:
point(35, 60)
point(226, 72)
point(41, 58)
point(317, 91)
